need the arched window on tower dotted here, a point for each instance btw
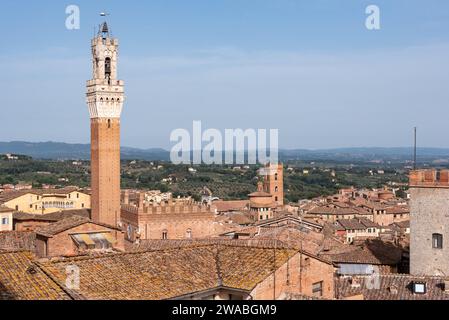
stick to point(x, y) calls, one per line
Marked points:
point(276, 189)
point(107, 68)
point(276, 177)
point(109, 123)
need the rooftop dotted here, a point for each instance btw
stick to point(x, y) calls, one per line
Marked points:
point(391, 287)
point(170, 273)
point(21, 279)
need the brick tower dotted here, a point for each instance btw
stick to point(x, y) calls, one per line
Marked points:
point(274, 182)
point(105, 97)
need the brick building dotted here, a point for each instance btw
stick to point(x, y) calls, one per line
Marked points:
point(273, 182)
point(261, 205)
point(219, 270)
point(77, 235)
point(172, 219)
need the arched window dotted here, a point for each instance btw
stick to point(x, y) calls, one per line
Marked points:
point(276, 189)
point(107, 68)
point(189, 234)
point(276, 177)
point(437, 241)
point(275, 198)
point(164, 235)
point(109, 123)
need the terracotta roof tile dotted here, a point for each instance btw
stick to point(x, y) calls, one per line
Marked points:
point(391, 287)
point(21, 279)
point(170, 273)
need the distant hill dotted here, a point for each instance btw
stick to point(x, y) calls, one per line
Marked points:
point(58, 150)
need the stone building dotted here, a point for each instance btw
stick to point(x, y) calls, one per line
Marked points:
point(429, 210)
point(105, 97)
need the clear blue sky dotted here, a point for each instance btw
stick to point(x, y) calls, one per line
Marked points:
point(309, 68)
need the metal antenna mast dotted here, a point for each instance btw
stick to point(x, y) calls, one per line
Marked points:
point(414, 150)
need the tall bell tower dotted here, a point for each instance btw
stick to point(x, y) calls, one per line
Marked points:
point(105, 97)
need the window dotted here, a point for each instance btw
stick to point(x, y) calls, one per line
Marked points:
point(107, 68)
point(189, 234)
point(317, 289)
point(419, 287)
point(437, 241)
point(78, 195)
point(109, 123)
point(17, 208)
point(5, 221)
point(276, 189)
point(275, 198)
point(164, 235)
point(276, 177)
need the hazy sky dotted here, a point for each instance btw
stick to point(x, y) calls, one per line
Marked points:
point(308, 68)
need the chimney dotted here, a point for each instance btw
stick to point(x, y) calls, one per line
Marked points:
point(393, 289)
point(260, 186)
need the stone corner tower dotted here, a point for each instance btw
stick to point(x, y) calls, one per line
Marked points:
point(105, 97)
point(429, 219)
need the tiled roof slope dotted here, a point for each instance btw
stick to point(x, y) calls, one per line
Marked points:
point(66, 224)
point(62, 225)
point(391, 287)
point(170, 273)
point(371, 252)
point(21, 279)
point(51, 217)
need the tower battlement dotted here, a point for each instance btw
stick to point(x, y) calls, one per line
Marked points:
point(430, 178)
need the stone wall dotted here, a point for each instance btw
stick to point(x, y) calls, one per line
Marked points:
point(429, 210)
